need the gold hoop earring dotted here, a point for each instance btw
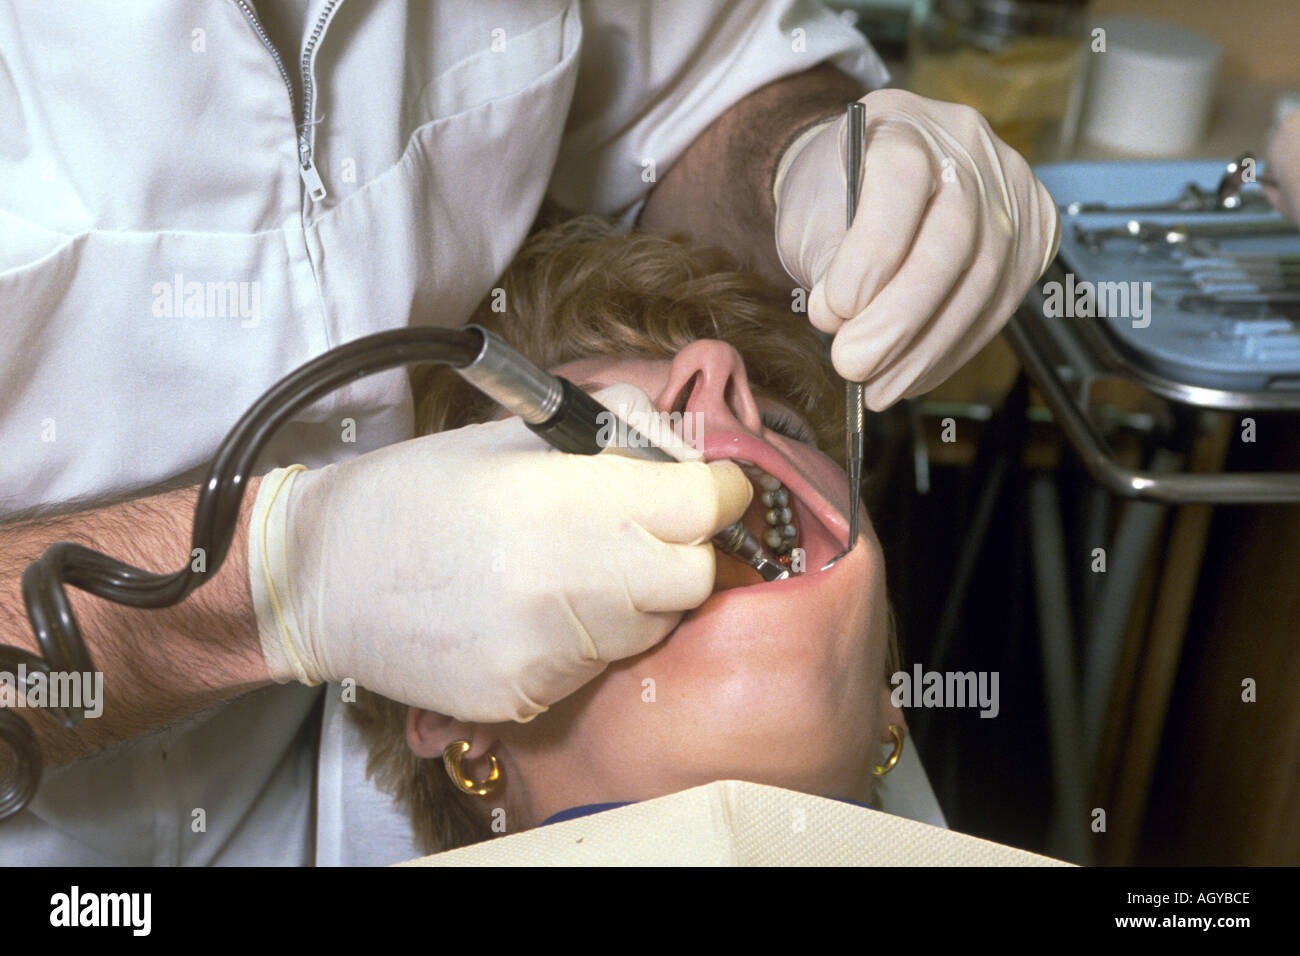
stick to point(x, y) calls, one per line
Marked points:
point(451, 758)
point(896, 732)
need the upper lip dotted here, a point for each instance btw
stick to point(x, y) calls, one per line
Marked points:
point(731, 445)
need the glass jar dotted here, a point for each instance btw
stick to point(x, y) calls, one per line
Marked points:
point(1019, 62)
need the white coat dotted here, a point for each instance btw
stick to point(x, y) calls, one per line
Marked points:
point(174, 238)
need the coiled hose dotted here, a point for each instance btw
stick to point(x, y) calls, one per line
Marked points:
point(216, 516)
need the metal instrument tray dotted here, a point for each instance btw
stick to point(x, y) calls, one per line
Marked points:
point(1243, 351)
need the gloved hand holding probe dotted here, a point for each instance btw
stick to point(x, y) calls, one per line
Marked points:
point(952, 228)
point(479, 572)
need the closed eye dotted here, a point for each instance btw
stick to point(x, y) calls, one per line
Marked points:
point(788, 426)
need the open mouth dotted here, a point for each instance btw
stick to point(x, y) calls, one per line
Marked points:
point(819, 528)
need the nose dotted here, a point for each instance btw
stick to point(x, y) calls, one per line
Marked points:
point(708, 379)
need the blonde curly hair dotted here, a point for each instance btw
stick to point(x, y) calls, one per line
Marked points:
point(582, 289)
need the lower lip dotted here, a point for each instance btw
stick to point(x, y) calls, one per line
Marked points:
point(794, 586)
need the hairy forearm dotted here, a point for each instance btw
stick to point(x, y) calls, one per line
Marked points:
point(157, 665)
point(720, 191)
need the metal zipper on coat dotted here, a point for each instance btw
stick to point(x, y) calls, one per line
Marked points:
point(305, 127)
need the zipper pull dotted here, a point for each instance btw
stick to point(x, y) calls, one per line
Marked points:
point(315, 187)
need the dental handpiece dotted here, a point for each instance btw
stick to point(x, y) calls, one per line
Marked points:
point(572, 421)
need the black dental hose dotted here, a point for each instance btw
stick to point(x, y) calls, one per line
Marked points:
point(553, 407)
point(216, 519)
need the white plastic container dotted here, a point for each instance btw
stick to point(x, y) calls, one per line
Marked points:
point(1151, 92)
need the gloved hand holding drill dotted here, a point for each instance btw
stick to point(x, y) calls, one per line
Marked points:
point(479, 572)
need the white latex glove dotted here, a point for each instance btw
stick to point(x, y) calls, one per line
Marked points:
point(952, 229)
point(480, 573)
point(1282, 165)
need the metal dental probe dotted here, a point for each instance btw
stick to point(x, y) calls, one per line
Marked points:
point(855, 417)
point(573, 421)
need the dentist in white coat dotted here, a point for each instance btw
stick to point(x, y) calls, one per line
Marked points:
point(197, 198)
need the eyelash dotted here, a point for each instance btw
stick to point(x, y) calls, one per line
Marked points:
point(787, 426)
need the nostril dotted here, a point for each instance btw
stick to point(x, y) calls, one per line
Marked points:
point(710, 378)
point(684, 396)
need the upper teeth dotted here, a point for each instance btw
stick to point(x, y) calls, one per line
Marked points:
point(781, 533)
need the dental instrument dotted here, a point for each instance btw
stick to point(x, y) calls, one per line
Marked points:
point(1228, 196)
point(1171, 235)
point(572, 421)
point(557, 410)
point(855, 418)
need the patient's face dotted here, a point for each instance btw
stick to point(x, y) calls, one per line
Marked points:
point(778, 683)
